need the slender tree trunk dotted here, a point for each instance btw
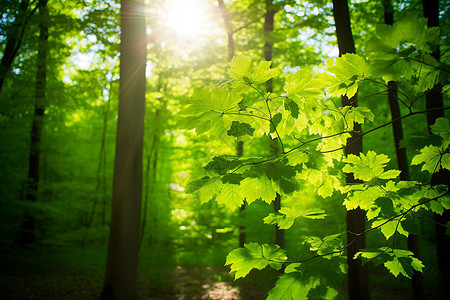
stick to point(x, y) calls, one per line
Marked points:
point(122, 263)
point(402, 159)
point(434, 100)
point(15, 36)
point(27, 234)
point(228, 27)
point(240, 144)
point(358, 281)
point(268, 52)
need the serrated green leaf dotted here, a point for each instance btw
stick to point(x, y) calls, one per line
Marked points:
point(262, 72)
point(430, 156)
point(195, 185)
point(211, 188)
point(239, 129)
point(254, 256)
point(366, 167)
point(442, 128)
point(231, 196)
point(258, 188)
point(240, 68)
point(222, 164)
point(232, 178)
point(292, 286)
point(279, 219)
point(390, 227)
point(297, 157)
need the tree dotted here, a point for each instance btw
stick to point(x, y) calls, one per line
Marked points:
point(402, 159)
point(27, 233)
point(15, 36)
point(434, 101)
point(271, 10)
point(358, 281)
point(121, 268)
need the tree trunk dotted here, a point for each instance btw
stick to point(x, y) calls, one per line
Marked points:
point(27, 234)
point(15, 36)
point(240, 144)
point(122, 263)
point(267, 52)
point(358, 281)
point(434, 100)
point(228, 27)
point(402, 159)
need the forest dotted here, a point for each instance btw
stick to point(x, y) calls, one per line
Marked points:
point(224, 149)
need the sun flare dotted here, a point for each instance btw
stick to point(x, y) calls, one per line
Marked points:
point(186, 18)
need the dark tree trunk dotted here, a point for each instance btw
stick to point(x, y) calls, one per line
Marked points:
point(358, 281)
point(267, 52)
point(15, 36)
point(402, 159)
point(27, 234)
point(122, 263)
point(434, 100)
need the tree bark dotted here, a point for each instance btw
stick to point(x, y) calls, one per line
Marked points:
point(358, 281)
point(268, 52)
point(27, 234)
point(402, 159)
point(122, 263)
point(434, 100)
point(15, 36)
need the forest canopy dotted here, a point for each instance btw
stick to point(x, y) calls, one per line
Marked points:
point(246, 149)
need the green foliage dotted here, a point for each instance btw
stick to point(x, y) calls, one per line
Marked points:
point(307, 132)
point(255, 256)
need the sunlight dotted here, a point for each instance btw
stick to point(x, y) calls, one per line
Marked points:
point(186, 18)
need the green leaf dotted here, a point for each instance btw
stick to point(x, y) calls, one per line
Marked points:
point(231, 196)
point(195, 185)
point(276, 119)
point(348, 70)
point(397, 261)
point(390, 174)
point(292, 107)
point(254, 256)
point(232, 178)
point(258, 188)
point(239, 129)
point(241, 69)
point(262, 72)
point(221, 164)
point(430, 156)
point(292, 286)
point(366, 167)
point(279, 219)
point(442, 128)
point(211, 188)
point(297, 157)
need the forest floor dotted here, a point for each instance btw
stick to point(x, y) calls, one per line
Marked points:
point(31, 275)
point(77, 274)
